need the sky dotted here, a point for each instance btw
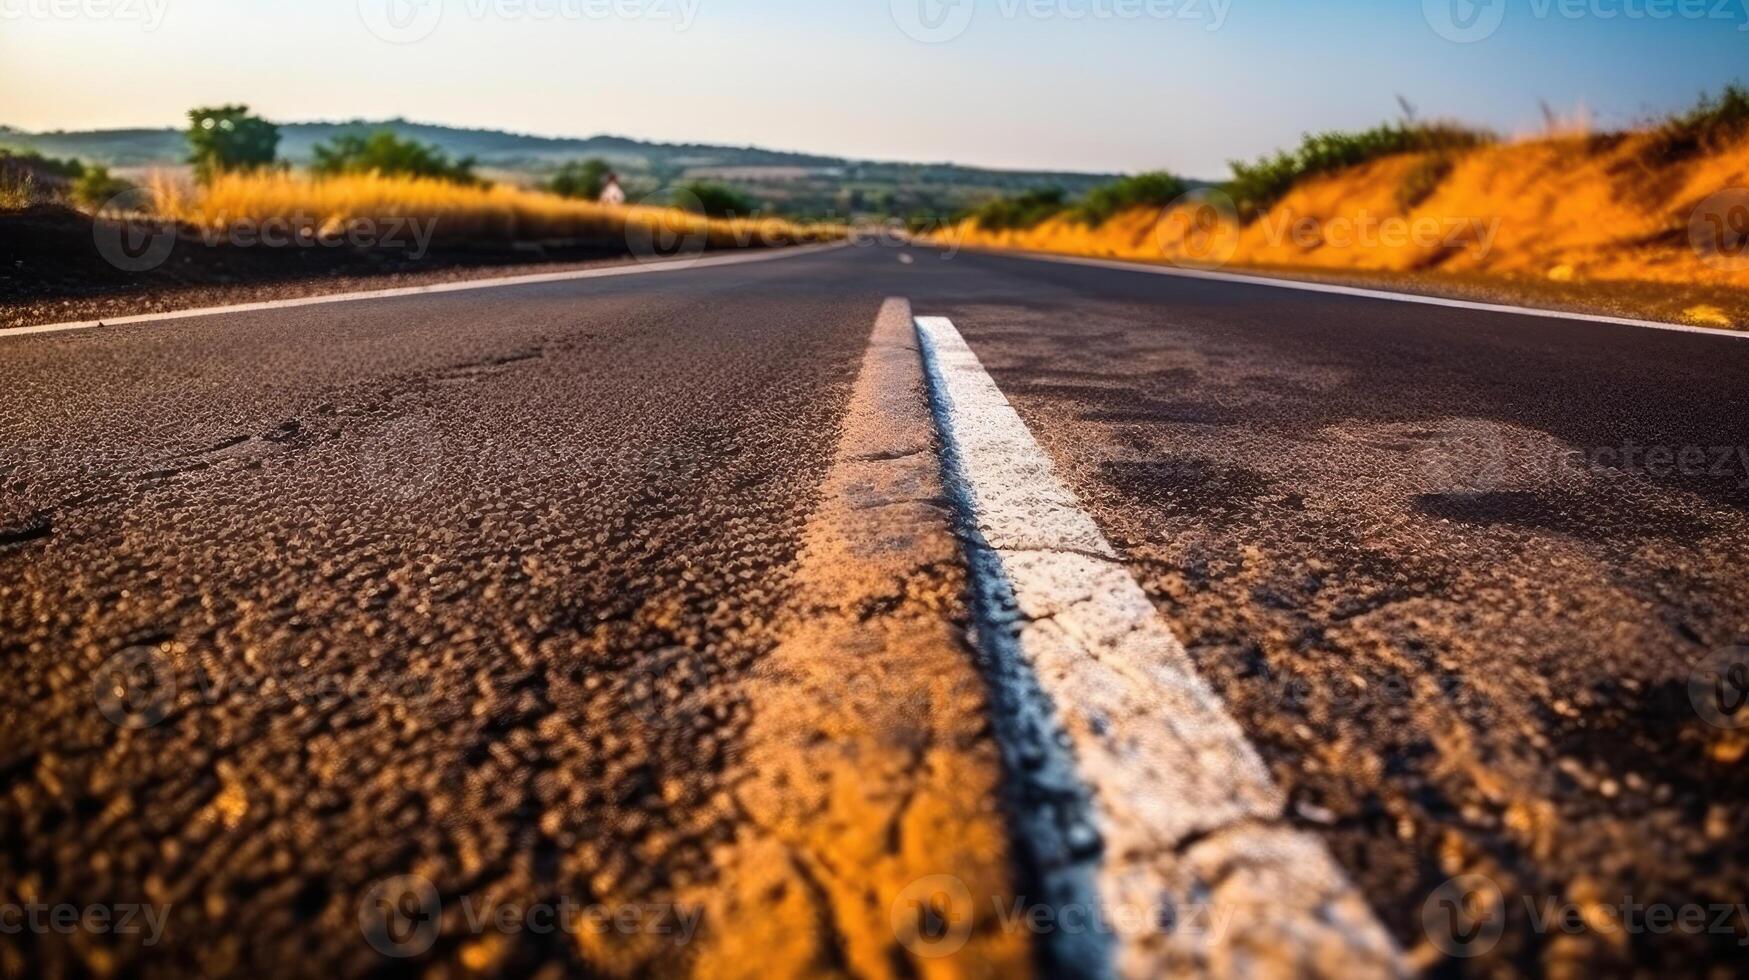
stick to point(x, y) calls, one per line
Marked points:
point(1093, 85)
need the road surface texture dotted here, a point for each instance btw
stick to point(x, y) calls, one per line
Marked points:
point(352, 636)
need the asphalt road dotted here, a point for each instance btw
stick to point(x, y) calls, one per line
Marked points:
point(479, 587)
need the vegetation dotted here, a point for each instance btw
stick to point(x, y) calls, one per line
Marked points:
point(1021, 211)
point(95, 187)
point(1158, 189)
point(27, 177)
point(454, 213)
point(1419, 184)
point(793, 184)
point(715, 200)
point(1029, 210)
point(17, 189)
point(580, 179)
point(1254, 187)
point(228, 139)
point(1711, 124)
point(382, 152)
point(32, 160)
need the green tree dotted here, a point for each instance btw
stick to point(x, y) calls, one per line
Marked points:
point(385, 153)
point(582, 179)
point(227, 138)
point(96, 186)
point(1150, 190)
point(715, 200)
point(1021, 211)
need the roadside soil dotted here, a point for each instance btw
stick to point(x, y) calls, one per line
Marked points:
point(51, 269)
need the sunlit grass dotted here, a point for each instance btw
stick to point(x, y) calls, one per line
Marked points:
point(459, 214)
point(1565, 209)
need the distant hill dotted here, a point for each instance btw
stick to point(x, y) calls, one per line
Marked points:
point(798, 183)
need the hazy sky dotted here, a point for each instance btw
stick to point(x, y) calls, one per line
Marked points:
point(1074, 84)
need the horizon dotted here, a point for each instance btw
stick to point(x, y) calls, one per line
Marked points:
point(562, 137)
point(965, 83)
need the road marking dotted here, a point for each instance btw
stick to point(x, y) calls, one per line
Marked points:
point(1363, 292)
point(1139, 791)
point(866, 776)
point(443, 287)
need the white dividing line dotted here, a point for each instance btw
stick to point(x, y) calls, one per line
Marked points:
point(1159, 801)
point(457, 286)
point(1385, 294)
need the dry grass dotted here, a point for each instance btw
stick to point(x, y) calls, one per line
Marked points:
point(458, 214)
point(1563, 209)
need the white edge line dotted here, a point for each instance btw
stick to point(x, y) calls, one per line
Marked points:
point(442, 287)
point(1361, 291)
point(1178, 790)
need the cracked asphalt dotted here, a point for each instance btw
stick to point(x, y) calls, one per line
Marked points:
point(497, 593)
point(1438, 566)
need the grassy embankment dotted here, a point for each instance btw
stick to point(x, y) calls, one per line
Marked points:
point(458, 213)
point(1640, 206)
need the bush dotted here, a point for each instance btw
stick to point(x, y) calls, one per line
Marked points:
point(1020, 212)
point(18, 189)
point(1255, 187)
point(382, 152)
point(28, 178)
point(1710, 124)
point(95, 187)
point(1150, 190)
point(580, 179)
point(714, 200)
point(32, 160)
point(227, 139)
